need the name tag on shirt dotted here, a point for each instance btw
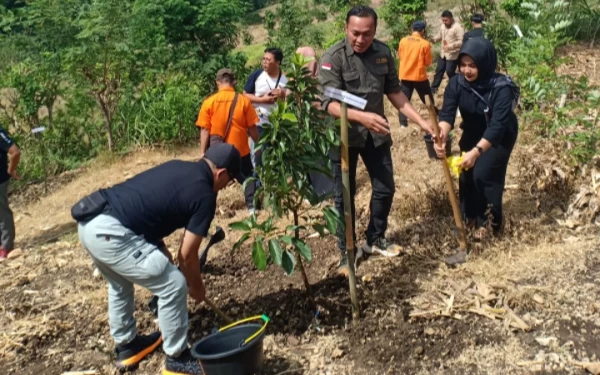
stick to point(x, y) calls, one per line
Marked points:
point(382, 60)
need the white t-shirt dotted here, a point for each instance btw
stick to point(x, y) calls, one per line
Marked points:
point(259, 83)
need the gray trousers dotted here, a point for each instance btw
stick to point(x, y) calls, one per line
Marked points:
point(125, 259)
point(7, 221)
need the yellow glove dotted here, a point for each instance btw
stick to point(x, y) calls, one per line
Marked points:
point(454, 164)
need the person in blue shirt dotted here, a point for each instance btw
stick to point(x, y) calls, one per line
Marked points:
point(10, 155)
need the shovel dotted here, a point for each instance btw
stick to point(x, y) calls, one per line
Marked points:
point(460, 257)
point(214, 239)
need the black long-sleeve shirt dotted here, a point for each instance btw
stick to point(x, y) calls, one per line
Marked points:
point(502, 127)
point(475, 33)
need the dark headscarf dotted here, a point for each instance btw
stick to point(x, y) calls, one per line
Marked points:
point(483, 53)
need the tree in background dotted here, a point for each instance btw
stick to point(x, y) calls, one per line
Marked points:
point(293, 24)
point(399, 16)
point(141, 62)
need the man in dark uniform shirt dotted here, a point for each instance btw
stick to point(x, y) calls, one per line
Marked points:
point(122, 228)
point(9, 160)
point(364, 67)
point(478, 30)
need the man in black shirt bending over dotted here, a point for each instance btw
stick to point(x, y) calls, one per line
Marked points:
point(123, 227)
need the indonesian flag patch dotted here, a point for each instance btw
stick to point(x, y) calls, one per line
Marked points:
point(326, 66)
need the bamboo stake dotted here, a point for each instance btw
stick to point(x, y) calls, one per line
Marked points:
point(462, 238)
point(348, 213)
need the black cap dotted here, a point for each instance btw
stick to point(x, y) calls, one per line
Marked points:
point(477, 18)
point(224, 155)
point(418, 26)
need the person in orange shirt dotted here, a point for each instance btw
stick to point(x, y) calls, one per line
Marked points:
point(415, 56)
point(229, 117)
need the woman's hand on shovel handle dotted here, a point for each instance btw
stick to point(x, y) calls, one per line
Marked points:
point(440, 147)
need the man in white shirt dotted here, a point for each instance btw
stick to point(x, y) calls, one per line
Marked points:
point(263, 88)
point(266, 85)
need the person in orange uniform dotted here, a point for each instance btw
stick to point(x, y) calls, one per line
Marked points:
point(230, 117)
point(415, 56)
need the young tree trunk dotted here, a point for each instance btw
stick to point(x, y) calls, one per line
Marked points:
point(106, 116)
point(301, 263)
point(50, 116)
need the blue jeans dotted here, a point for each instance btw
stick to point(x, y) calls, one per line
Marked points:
point(7, 221)
point(125, 259)
point(256, 159)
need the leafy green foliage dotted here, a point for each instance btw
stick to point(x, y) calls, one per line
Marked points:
point(399, 16)
point(291, 26)
point(514, 9)
point(296, 142)
point(109, 73)
point(586, 25)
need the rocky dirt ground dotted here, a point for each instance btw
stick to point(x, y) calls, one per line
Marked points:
point(527, 302)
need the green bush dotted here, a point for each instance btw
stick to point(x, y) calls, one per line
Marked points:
point(399, 16)
point(161, 112)
point(587, 21)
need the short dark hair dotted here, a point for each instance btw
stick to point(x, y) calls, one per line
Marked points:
point(227, 78)
point(477, 18)
point(276, 52)
point(447, 14)
point(362, 11)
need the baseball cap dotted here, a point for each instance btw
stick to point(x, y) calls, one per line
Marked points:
point(418, 26)
point(224, 155)
point(477, 18)
point(223, 72)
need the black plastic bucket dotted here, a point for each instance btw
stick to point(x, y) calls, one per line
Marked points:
point(431, 150)
point(224, 353)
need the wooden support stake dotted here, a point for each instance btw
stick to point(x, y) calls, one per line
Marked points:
point(348, 213)
point(462, 238)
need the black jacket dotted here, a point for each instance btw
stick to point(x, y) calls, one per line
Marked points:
point(475, 33)
point(501, 126)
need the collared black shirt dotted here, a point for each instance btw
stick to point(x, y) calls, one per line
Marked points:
point(369, 75)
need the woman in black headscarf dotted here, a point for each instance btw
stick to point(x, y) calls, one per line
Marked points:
point(485, 99)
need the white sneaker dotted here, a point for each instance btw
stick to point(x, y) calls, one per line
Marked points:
point(381, 247)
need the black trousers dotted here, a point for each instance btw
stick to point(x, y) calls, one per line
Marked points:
point(378, 161)
point(481, 188)
point(247, 172)
point(408, 87)
point(443, 66)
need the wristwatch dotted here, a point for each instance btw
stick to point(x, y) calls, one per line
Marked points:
point(479, 149)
